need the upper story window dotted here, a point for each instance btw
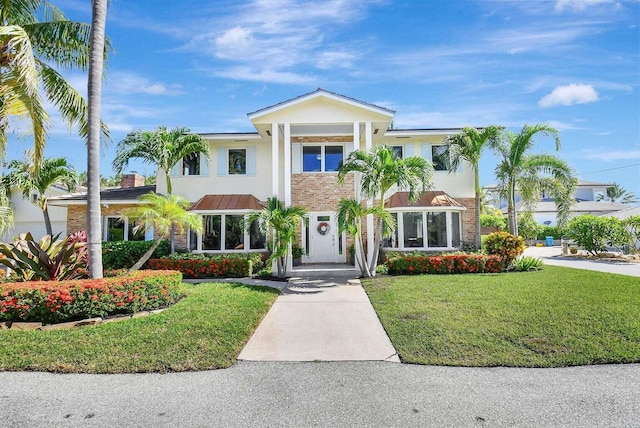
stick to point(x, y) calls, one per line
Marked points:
point(322, 158)
point(237, 161)
point(193, 164)
point(440, 157)
point(398, 152)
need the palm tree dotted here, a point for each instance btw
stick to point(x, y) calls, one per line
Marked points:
point(29, 50)
point(529, 174)
point(96, 65)
point(163, 212)
point(6, 213)
point(469, 146)
point(279, 225)
point(619, 194)
point(379, 172)
point(161, 147)
point(350, 215)
point(31, 179)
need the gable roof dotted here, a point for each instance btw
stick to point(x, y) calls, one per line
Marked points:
point(436, 198)
point(321, 93)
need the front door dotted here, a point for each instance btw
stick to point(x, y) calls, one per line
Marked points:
point(325, 244)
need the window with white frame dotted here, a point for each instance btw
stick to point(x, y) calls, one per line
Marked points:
point(398, 152)
point(227, 232)
point(237, 161)
point(417, 230)
point(322, 157)
point(191, 165)
point(116, 229)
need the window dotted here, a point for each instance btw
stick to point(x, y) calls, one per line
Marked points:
point(121, 230)
point(322, 158)
point(237, 161)
point(397, 152)
point(191, 164)
point(440, 157)
point(235, 236)
point(425, 229)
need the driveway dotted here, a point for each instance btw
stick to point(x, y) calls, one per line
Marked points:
point(336, 394)
point(553, 256)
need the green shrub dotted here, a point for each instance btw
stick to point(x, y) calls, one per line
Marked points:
point(528, 228)
point(505, 245)
point(633, 227)
point(258, 260)
point(51, 302)
point(49, 259)
point(493, 220)
point(414, 264)
point(556, 231)
point(594, 234)
point(124, 254)
point(526, 263)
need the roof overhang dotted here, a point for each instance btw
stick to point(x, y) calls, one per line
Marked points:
point(233, 202)
point(437, 200)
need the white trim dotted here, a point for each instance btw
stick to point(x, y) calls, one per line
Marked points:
point(420, 132)
point(425, 231)
point(215, 136)
point(287, 164)
point(275, 153)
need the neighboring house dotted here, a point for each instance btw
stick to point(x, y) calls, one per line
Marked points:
point(587, 194)
point(294, 154)
point(28, 217)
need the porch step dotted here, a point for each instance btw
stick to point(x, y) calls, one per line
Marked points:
point(324, 270)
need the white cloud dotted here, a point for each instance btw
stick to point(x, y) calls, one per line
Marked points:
point(264, 75)
point(580, 5)
point(609, 156)
point(569, 95)
point(133, 83)
point(335, 59)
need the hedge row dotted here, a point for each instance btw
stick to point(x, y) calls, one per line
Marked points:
point(57, 301)
point(206, 267)
point(448, 264)
point(124, 254)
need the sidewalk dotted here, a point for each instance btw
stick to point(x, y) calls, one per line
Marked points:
point(321, 319)
point(553, 256)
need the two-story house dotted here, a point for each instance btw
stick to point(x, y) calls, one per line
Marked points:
point(294, 153)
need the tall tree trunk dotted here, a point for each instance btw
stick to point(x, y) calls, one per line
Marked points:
point(511, 209)
point(96, 64)
point(47, 220)
point(146, 255)
point(477, 213)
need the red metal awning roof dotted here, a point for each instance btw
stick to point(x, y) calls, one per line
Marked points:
point(227, 202)
point(427, 199)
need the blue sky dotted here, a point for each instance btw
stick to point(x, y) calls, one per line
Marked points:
point(573, 64)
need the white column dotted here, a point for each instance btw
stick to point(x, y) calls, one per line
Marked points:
point(287, 164)
point(356, 135)
point(368, 144)
point(275, 158)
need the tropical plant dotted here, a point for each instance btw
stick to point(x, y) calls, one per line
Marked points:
point(379, 172)
point(31, 48)
point(528, 228)
point(493, 220)
point(279, 224)
point(34, 180)
point(530, 174)
point(618, 194)
point(124, 254)
point(595, 234)
point(162, 148)
point(350, 216)
point(633, 227)
point(489, 203)
point(526, 264)
point(6, 212)
point(163, 212)
point(50, 259)
point(505, 245)
point(469, 145)
point(96, 65)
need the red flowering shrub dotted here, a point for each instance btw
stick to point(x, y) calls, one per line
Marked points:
point(205, 267)
point(505, 245)
point(56, 301)
point(412, 264)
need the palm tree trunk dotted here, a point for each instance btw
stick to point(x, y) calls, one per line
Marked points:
point(477, 213)
point(96, 63)
point(146, 255)
point(47, 220)
point(511, 209)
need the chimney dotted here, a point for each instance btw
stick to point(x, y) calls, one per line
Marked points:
point(131, 180)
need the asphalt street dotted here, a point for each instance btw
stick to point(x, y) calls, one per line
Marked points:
point(336, 394)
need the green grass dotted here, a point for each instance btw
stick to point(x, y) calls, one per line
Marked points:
point(205, 330)
point(550, 318)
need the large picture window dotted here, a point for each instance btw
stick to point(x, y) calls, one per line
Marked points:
point(116, 229)
point(417, 230)
point(227, 232)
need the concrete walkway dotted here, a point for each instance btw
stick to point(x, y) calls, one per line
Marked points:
point(553, 256)
point(321, 319)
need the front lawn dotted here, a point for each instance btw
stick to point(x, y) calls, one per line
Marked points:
point(205, 330)
point(549, 318)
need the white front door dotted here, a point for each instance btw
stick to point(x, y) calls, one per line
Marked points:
point(325, 245)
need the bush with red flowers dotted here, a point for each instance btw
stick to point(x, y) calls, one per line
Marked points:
point(413, 264)
point(57, 301)
point(197, 266)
